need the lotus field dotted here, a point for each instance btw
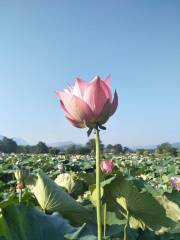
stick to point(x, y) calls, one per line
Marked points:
point(54, 197)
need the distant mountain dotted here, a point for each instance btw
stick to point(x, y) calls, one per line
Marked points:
point(175, 145)
point(143, 147)
point(62, 145)
point(20, 141)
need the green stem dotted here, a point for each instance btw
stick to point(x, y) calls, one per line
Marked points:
point(125, 227)
point(20, 195)
point(125, 232)
point(105, 216)
point(98, 185)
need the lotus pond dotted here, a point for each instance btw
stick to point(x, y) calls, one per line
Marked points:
point(46, 197)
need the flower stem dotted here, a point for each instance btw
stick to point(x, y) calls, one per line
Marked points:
point(125, 232)
point(105, 216)
point(20, 195)
point(125, 227)
point(98, 185)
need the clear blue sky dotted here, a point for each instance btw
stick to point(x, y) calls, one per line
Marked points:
point(46, 44)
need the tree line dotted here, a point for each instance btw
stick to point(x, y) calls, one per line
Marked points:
point(8, 145)
point(164, 149)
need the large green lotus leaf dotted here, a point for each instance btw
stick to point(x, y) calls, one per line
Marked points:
point(23, 222)
point(78, 189)
point(66, 180)
point(123, 196)
point(93, 190)
point(52, 197)
point(176, 229)
point(172, 209)
point(93, 194)
point(69, 181)
point(11, 199)
point(113, 232)
point(79, 234)
point(89, 178)
point(4, 230)
point(116, 232)
point(111, 219)
point(174, 196)
point(173, 212)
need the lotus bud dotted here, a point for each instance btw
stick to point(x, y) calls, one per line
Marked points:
point(107, 166)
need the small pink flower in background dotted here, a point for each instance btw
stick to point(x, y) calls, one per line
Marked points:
point(176, 182)
point(88, 104)
point(107, 166)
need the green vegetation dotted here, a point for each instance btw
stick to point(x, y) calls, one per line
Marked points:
point(137, 197)
point(56, 188)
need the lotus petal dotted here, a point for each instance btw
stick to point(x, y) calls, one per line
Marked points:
point(107, 81)
point(114, 104)
point(79, 88)
point(65, 98)
point(67, 113)
point(76, 123)
point(95, 96)
point(104, 115)
point(80, 109)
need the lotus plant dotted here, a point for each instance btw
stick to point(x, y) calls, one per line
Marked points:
point(90, 104)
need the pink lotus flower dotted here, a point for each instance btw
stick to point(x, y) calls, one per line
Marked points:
point(176, 182)
point(88, 104)
point(107, 166)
